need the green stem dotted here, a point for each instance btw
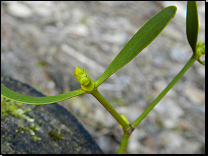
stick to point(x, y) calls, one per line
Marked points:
point(163, 93)
point(123, 144)
point(110, 109)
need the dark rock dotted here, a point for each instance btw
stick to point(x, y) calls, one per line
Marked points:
point(59, 131)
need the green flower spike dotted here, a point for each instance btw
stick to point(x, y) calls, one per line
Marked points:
point(87, 84)
point(200, 49)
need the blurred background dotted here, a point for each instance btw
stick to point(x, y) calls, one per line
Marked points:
point(43, 42)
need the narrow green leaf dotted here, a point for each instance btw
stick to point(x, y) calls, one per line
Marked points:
point(192, 24)
point(139, 41)
point(38, 100)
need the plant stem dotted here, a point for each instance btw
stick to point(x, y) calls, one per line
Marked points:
point(123, 143)
point(163, 93)
point(110, 109)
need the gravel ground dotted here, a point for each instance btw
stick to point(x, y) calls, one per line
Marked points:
point(42, 43)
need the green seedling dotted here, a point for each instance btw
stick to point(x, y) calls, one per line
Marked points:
point(136, 44)
point(56, 135)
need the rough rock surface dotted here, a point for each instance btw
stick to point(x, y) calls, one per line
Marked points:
point(52, 120)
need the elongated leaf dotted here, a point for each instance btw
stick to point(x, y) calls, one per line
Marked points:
point(38, 100)
point(192, 24)
point(139, 41)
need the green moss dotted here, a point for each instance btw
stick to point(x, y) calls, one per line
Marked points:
point(18, 110)
point(56, 135)
point(35, 138)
